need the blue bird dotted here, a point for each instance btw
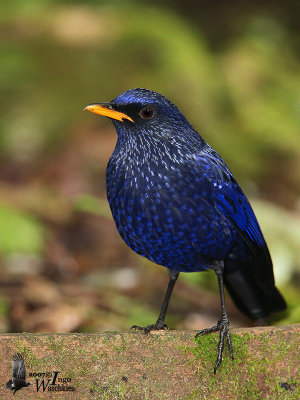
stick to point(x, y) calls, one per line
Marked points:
point(175, 202)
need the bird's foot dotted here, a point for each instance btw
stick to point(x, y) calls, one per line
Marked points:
point(159, 325)
point(223, 327)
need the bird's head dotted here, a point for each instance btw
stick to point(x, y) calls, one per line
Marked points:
point(144, 111)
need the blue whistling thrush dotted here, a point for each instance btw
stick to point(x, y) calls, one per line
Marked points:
point(175, 202)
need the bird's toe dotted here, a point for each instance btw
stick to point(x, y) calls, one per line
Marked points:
point(207, 330)
point(159, 325)
point(223, 327)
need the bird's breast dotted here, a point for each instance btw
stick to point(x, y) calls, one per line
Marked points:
point(163, 212)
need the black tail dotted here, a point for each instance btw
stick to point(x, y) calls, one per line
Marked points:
point(250, 296)
point(249, 278)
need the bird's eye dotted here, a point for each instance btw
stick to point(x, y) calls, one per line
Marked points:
point(147, 112)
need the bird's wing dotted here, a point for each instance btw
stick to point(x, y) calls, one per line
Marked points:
point(8, 384)
point(229, 198)
point(19, 370)
point(248, 228)
point(248, 266)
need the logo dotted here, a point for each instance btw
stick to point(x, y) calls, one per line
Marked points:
point(51, 382)
point(44, 381)
point(18, 380)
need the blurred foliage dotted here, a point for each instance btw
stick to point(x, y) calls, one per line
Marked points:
point(91, 204)
point(232, 69)
point(19, 232)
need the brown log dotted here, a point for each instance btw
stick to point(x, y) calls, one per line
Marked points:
point(162, 365)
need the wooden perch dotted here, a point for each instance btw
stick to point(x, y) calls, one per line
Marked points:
point(162, 365)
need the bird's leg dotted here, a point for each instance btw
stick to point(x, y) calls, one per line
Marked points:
point(160, 323)
point(223, 323)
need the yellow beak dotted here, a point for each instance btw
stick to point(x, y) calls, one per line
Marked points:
point(107, 111)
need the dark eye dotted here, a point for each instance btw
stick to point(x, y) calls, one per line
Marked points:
point(147, 112)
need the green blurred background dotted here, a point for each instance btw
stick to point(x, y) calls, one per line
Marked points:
point(233, 69)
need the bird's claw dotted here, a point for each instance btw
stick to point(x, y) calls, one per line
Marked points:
point(223, 327)
point(159, 325)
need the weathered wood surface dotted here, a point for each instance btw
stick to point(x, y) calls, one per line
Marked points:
point(162, 365)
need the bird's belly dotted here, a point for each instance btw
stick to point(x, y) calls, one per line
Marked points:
point(176, 229)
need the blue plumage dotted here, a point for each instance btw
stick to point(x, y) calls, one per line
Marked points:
point(175, 201)
point(172, 197)
point(170, 213)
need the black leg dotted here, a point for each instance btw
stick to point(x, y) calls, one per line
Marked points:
point(223, 323)
point(160, 323)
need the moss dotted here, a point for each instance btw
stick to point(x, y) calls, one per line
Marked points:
point(155, 364)
point(109, 335)
point(250, 367)
point(22, 347)
point(115, 388)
